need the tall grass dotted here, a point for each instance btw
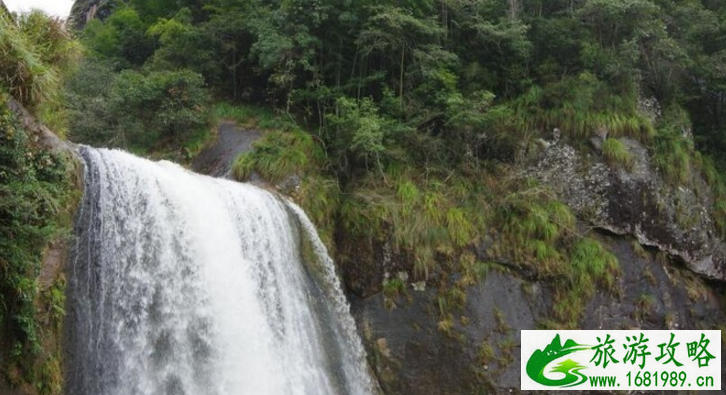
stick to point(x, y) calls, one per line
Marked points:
point(672, 156)
point(617, 154)
point(319, 196)
point(539, 234)
point(533, 228)
point(425, 219)
point(36, 54)
point(579, 107)
point(673, 150)
point(589, 265)
point(716, 180)
point(279, 154)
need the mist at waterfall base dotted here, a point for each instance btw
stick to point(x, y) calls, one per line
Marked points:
point(182, 284)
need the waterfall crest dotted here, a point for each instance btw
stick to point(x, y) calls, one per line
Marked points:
point(182, 284)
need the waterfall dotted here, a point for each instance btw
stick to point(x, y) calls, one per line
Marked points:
point(182, 284)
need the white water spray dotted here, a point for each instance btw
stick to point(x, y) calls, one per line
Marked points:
point(183, 284)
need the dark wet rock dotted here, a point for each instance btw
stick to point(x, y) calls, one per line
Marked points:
point(674, 219)
point(481, 354)
point(290, 185)
point(39, 133)
point(366, 264)
point(216, 160)
point(412, 356)
point(409, 354)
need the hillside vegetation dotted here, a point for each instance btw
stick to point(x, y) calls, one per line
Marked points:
point(406, 121)
point(403, 127)
point(37, 195)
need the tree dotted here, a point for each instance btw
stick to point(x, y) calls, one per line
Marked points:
point(160, 105)
point(122, 38)
point(394, 34)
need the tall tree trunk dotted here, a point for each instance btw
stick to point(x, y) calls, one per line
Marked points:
point(514, 7)
point(400, 82)
point(234, 73)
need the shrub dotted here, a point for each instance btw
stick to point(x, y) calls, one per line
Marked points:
point(278, 155)
point(35, 198)
point(87, 97)
point(251, 116)
point(163, 106)
point(359, 132)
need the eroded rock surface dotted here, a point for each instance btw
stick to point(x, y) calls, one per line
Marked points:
point(216, 160)
point(675, 219)
point(481, 355)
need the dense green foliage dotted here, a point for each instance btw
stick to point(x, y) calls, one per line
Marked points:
point(137, 110)
point(34, 195)
point(440, 83)
point(35, 200)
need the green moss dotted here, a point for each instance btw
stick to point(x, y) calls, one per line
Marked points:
point(617, 154)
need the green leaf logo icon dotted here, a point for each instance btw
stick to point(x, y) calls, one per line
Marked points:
point(540, 359)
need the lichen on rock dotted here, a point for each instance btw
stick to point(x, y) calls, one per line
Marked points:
point(639, 202)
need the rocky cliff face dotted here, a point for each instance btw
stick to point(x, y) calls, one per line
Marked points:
point(481, 353)
point(637, 202)
point(85, 10)
point(671, 258)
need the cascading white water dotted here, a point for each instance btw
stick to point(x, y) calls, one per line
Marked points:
point(183, 284)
